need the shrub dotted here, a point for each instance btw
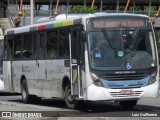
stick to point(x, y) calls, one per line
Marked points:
point(83, 9)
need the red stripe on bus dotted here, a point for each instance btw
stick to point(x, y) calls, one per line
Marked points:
point(42, 27)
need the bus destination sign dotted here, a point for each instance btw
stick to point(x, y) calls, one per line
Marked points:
point(114, 23)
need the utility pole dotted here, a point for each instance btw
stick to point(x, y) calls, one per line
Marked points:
point(67, 6)
point(134, 2)
point(16, 6)
point(51, 7)
point(57, 4)
point(149, 8)
point(32, 11)
point(93, 1)
point(117, 6)
point(21, 3)
point(84, 3)
point(101, 7)
point(127, 6)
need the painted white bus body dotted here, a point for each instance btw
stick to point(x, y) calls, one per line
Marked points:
point(45, 77)
point(43, 81)
point(50, 84)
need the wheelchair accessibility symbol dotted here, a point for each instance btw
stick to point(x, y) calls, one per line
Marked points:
point(128, 66)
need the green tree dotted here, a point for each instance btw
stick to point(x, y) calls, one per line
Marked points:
point(83, 9)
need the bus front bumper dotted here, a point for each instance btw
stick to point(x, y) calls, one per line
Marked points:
point(95, 93)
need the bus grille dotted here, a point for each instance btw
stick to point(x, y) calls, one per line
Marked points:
point(124, 77)
point(119, 94)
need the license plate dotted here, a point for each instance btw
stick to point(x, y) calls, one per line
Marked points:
point(126, 92)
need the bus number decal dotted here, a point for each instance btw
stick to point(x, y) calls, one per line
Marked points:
point(60, 69)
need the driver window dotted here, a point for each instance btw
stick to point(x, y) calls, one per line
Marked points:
point(100, 47)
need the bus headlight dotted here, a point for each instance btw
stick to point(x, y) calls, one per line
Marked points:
point(152, 79)
point(96, 80)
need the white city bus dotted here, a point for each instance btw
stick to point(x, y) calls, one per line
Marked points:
point(92, 57)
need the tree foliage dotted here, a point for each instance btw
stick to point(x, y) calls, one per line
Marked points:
point(83, 9)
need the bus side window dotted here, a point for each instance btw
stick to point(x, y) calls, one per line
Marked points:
point(64, 42)
point(52, 43)
point(8, 45)
point(34, 47)
point(27, 46)
point(42, 46)
point(18, 47)
point(5, 49)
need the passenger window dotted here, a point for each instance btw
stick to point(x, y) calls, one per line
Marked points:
point(18, 47)
point(64, 42)
point(27, 46)
point(42, 46)
point(8, 47)
point(34, 45)
point(5, 50)
point(52, 43)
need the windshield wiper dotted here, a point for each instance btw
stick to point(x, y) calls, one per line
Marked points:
point(107, 38)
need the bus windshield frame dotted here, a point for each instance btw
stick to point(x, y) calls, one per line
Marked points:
point(126, 56)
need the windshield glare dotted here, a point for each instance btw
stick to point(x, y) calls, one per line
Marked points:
point(121, 49)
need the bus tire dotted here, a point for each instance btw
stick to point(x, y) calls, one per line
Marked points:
point(81, 105)
point(26, 98)
point(70, 102)
point(128, 104)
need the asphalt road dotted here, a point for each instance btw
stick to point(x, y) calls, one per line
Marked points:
point(102, 110)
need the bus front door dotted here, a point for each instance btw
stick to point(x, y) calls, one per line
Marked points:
point(74, 65)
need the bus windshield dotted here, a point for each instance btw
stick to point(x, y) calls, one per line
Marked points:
point(123, 49)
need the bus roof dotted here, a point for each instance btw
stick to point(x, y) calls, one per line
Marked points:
point(63, 20)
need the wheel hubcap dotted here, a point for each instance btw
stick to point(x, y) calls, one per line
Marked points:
point(69, 96)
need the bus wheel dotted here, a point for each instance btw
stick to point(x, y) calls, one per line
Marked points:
point(128, 104)
point(81, 105)
point(24, 92)
point(68, 98)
